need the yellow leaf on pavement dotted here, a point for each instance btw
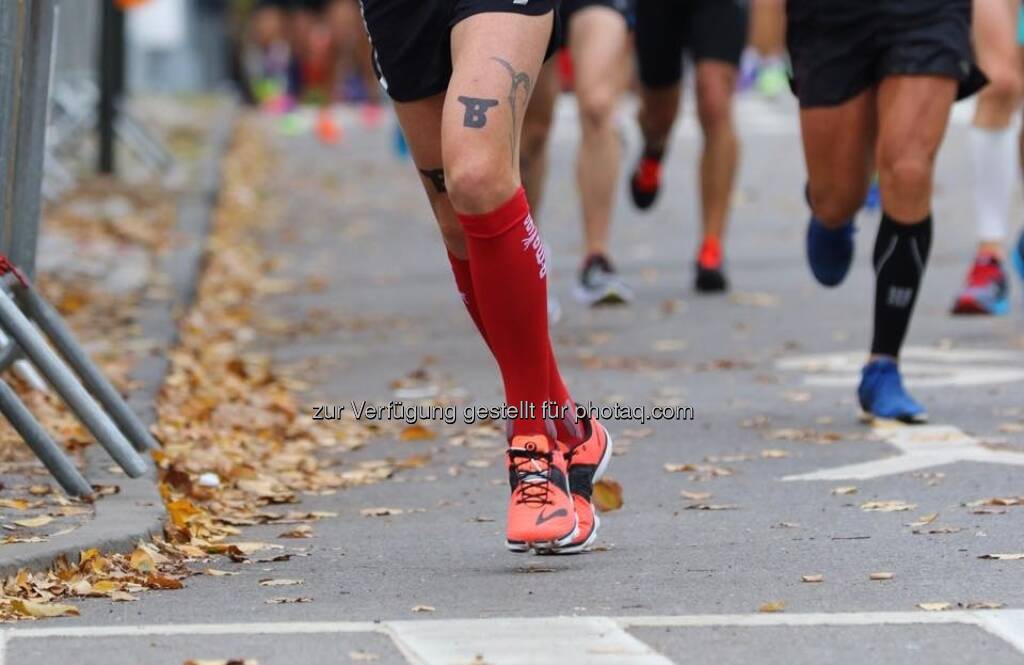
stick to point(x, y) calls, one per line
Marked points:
point(31, 608)
point(607, 495)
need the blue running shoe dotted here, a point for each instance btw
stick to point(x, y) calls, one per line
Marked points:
point(986, 292)
point(882, 394)
point(829, 252)
point(1018, 254)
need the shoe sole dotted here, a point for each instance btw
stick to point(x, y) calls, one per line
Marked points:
point(521, 547)
point(974, 308)
point(579, 547)
point(607, 296)
point(869, 418)
point(602, 466)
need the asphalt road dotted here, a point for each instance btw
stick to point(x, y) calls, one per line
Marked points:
point(768, 372)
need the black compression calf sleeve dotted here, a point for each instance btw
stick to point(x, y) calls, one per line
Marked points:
point(901, 253)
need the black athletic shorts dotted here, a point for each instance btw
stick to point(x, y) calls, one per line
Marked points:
point(706, 29)
point(292, 5)
point(839, 48)
point(412, 39)
point(570, 7)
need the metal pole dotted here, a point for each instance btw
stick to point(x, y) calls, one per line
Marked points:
point(10, 51)
point(48, 452)
point(31, 140)
point(63, 381)
point(47, 318)
point(111, 65)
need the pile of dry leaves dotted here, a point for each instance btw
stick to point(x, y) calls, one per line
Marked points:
point(236, 443)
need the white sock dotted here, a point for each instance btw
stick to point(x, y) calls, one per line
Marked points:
point(994, 172)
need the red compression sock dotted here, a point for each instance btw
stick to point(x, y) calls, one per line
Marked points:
point(509, 271)
point(568, 432)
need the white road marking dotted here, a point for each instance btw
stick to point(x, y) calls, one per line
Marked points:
point(171, 629)
point(524, 641)
point(601, 639)
point(922, 367)
point(921, 447)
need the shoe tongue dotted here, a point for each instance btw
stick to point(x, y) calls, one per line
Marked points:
point(531, 443)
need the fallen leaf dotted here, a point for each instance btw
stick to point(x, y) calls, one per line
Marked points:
point(939, 530)
point(33, 522)
point(122, 597)
point(879, 577)
point(287, 601)
point(14, 504)
point(301, 531)
point(362, 656)
point(774, 606)
point(607, 495)
point(142, 561)
point(423, 608)
point(887, 506)
point(981, 605)
point(695, 496)
point(712, 506)
point(213, 572)
point(844, 490)
point(812, 578)
point(416, 432)
point(924, 520)
point(774, 453)
point(380, 512)
point(1019, 556)
point(31, 608)
point(935, 607)
point(279, 582)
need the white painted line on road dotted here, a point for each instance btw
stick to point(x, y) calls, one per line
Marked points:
point(538, 641)
point(523, 641)
point(922, 367)
point(171, 629)
point(1006, 624)
point(808, 619)
point(920, 447)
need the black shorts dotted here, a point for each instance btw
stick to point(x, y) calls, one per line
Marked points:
point(706, 29)
point(839, 48)
point(412, 39)
point(570, 7)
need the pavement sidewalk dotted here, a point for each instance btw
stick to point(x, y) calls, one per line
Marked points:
point(120, 261)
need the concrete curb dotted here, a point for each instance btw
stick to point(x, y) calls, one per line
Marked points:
point(137, 511)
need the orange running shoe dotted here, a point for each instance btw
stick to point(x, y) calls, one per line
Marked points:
point(540, 510)
point(587, 464)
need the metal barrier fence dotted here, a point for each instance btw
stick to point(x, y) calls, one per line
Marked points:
point(33, 330)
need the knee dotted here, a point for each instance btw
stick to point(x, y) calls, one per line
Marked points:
point(714, 108)
point(478, 182)
point(835, 207)
point(597, 110)
point(907, 173)
point(1004, 88)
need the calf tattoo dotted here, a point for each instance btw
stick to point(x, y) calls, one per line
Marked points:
point(476, 111)
point(436, 178)
point(520, 80)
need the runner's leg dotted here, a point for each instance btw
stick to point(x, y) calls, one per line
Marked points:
point(599, 41)
point(533, 157)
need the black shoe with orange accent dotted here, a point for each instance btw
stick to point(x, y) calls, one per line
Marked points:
point(710, 271)
point(541, 514)
point(645, 182)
